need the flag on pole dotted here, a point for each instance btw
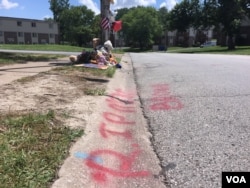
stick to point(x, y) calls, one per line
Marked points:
point(105, 23)
point(117, 26)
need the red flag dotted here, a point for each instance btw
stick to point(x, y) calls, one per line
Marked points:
point(117, 26)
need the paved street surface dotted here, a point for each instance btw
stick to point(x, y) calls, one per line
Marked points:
point(198, 110)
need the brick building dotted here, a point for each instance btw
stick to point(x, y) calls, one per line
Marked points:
point(28, 31)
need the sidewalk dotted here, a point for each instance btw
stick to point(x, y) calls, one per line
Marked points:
point(115, 150)
point(13, 72)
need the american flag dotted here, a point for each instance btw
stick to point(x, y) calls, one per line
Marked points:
point(105, 23)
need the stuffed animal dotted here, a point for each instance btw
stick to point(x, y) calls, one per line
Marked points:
point(102, 59)
point(73, 58)
point(112, 60)
point(108, 45)
point(100, 55)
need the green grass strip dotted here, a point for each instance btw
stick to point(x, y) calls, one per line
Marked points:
point(33, 147)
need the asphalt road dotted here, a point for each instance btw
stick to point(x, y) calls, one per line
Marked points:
point(198, 110)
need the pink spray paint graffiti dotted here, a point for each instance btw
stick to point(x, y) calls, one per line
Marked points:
point(113, 104)
point(162, 100)
point(116, 119)
point(125, 165)
point(120, 104)
point(104, 131)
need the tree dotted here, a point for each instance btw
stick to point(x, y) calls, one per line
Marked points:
point(78, 22)
point(57, 7)
point(179, 17)
point(96, 27)
point(49, 19)
point(121, 12)
point(163, 17)
point(185, 14)
point(230, 14)
point(141, 26)
point(246, 6)
point(209, 13)
point(195, 11)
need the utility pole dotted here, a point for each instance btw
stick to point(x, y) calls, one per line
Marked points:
point(105, 8)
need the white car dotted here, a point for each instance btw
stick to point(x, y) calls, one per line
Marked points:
point(209, 43)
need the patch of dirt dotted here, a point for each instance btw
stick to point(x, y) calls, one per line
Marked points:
point(58, 90)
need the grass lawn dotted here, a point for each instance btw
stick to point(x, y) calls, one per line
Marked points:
point(109, 72)
point(43, 47)
point(11, 58)
point(33, 146)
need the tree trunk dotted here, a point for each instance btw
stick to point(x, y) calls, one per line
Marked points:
point(141, 45)
point(230, 43)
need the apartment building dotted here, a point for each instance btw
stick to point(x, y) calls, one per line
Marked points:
point(193, 37)
point(28, 31)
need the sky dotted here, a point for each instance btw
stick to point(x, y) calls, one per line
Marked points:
point(39, 9)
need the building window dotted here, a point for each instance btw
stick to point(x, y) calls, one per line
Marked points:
point(51, 35)
point(34, 35)
point(33, 24)
point(1, 33)
point(20, 34)
point(19, 23)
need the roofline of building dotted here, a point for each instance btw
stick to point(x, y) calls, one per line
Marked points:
point(27, 19)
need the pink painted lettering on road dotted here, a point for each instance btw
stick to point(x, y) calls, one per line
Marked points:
point(162, 99)
point(166, 103)
point(161, 90)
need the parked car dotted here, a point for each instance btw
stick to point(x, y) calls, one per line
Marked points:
point(207, 44)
